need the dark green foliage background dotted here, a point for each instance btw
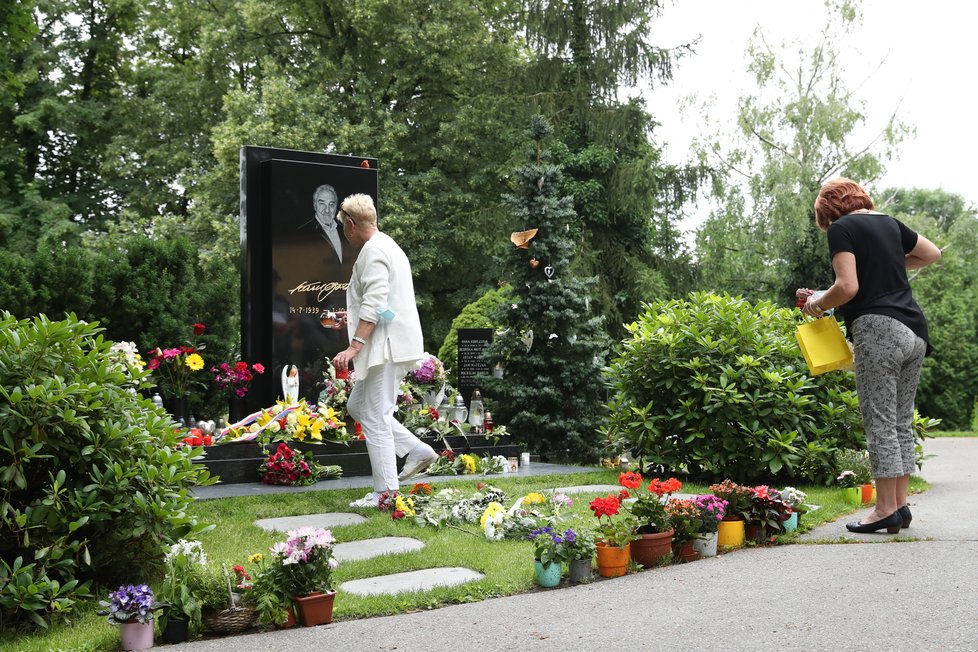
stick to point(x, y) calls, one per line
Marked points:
point(149, 292)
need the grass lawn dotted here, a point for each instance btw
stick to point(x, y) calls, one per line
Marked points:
point(953, 433)
point(507, 565)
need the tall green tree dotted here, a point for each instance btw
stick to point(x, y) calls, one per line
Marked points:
point(796, 132)
point(73, 73)
point(551, 342)
point(424, 87)
point(627, 198)
point(949, 298)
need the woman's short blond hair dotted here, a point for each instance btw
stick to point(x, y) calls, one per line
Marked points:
point(839, 197)
point(360, 208)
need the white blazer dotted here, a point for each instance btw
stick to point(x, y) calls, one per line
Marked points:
point(382, 291)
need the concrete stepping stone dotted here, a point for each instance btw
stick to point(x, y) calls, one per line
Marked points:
point(421, 580)
point(368, 548)
point(330, 520)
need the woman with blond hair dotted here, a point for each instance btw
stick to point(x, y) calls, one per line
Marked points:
point(871, 253)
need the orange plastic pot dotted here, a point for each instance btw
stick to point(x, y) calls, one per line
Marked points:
point(613, 560)
point(868, 493)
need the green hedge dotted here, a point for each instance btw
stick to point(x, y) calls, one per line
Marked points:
point(145, 291)
point(716, 387)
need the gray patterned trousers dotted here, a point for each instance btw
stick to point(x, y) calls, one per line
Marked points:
point(888, 358)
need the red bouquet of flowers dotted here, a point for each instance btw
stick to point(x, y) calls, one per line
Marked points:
point(289, 467)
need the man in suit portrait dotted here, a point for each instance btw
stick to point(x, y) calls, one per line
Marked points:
point(324, 203)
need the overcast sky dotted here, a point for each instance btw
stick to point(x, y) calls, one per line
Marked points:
point(928, 53)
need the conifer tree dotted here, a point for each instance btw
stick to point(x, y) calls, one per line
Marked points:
point(550, 343)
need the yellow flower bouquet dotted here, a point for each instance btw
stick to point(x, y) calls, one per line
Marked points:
point(283, 422)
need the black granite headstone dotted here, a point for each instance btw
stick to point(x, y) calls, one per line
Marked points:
point(295, 265)
point(472, 342)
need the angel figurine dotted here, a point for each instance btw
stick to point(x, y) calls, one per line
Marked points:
point(290, 383)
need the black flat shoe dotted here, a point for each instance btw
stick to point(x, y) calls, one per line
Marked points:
point(906, 516)
point(892, 524)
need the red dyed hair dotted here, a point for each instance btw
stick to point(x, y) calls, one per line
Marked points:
point(839, 197)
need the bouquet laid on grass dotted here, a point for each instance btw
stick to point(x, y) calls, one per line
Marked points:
point(649, 508)
point(236, 378)
point(712, 510)
point(290, 467)
point(738, 498)
point(532, 511)
point(452, 507)
point(130, 603)
point(614, 528)
point(174, 367)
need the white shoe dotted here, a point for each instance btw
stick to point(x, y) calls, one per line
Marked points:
point(368, 501)
point(414, 467)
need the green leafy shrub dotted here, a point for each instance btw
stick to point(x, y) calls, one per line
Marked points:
point(716, 387)
point(92, 485)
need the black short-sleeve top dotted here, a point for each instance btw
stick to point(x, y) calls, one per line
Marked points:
point(879, 244)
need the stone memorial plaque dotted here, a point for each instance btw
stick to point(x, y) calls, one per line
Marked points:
point(472, 342)
point(296, 262)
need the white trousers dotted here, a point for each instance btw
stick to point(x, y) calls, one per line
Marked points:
point(372, 403)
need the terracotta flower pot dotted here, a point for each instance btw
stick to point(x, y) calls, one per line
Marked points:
point(315, 608)
point(289, 621)
point(650, 549)
point(612, 560)
point(686, 551)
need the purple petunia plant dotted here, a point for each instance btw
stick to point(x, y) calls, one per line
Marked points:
point(130, 603)
point(551, 546)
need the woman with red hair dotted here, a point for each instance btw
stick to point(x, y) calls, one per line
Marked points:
point(871, 253)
